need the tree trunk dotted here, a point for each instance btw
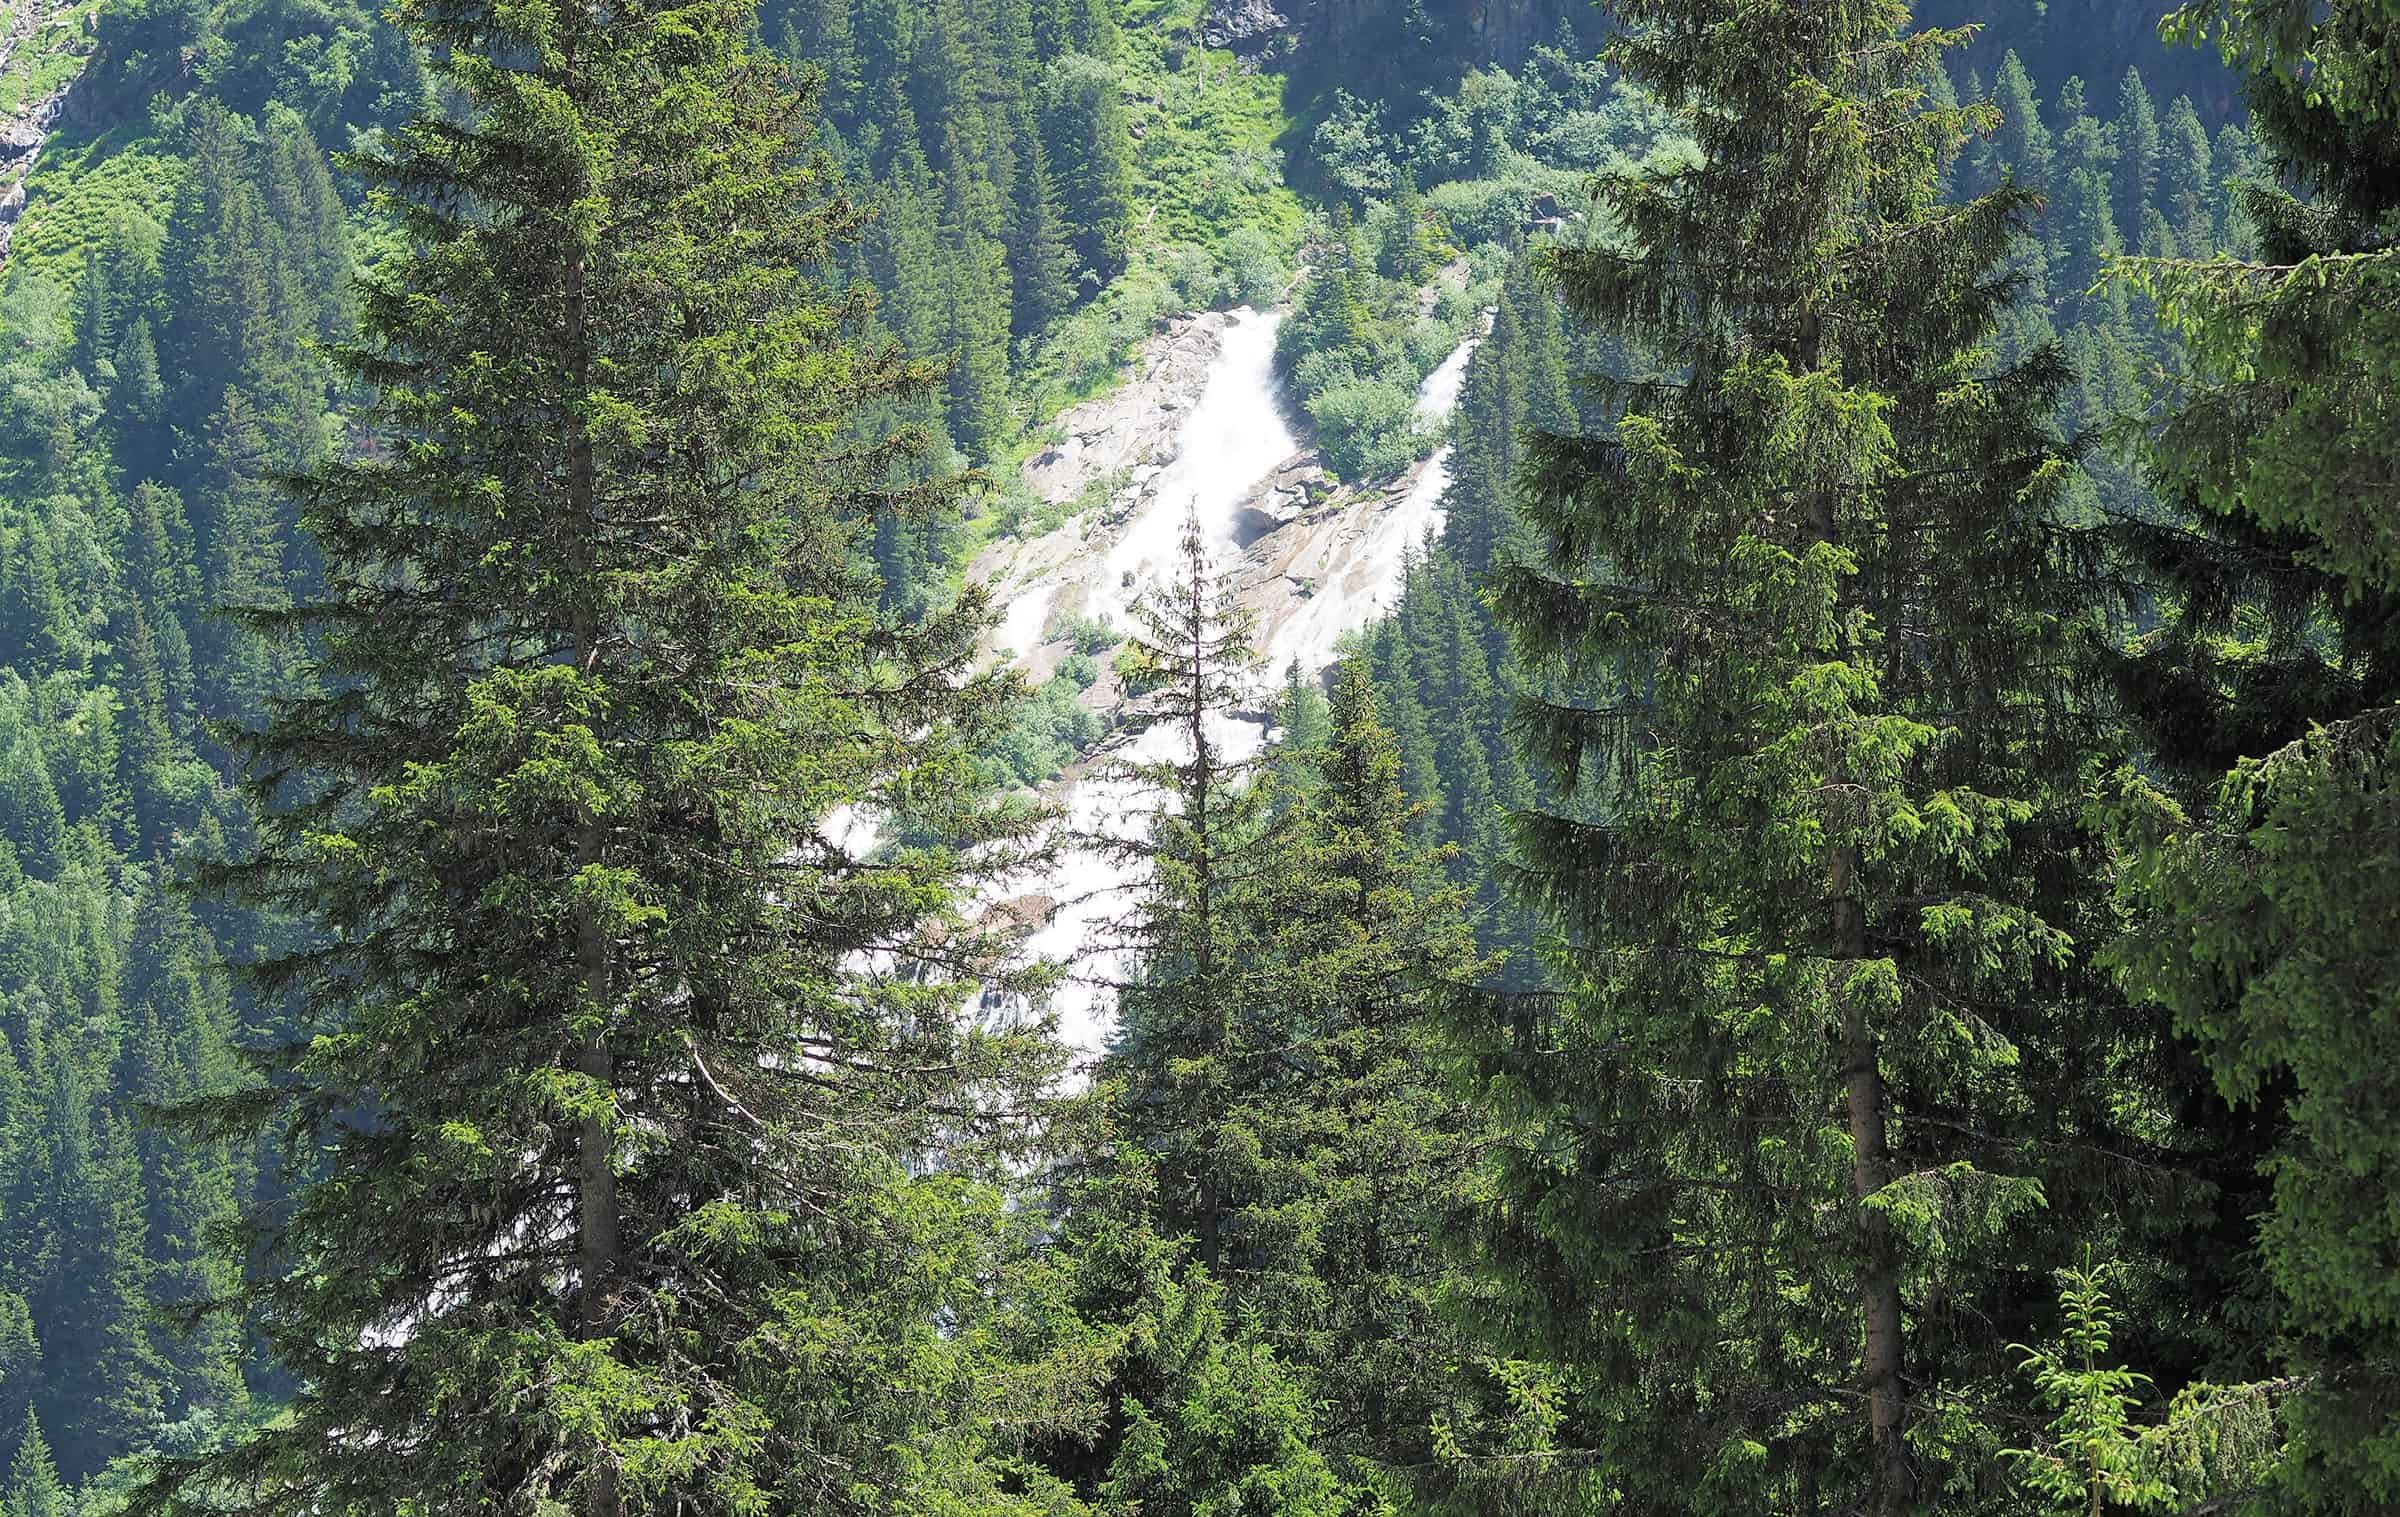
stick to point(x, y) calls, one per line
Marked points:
point(1879, 1282)
point(1895, 1486)
point(596, 1199)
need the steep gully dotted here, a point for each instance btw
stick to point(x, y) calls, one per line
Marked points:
point(1199, 431)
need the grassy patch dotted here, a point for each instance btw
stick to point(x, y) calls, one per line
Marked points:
point(54, 54)
point(1207, 131)
point(82, 183)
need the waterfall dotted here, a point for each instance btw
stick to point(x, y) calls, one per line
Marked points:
point(1233, 439)
point(1358, 576)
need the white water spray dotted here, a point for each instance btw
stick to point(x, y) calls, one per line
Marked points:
point(1234, 438)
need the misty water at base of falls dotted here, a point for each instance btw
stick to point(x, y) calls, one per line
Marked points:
point(1233, 439)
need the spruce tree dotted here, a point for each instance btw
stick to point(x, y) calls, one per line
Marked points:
point(823, 33)
point(1089, 138)
point(907, 256)
point(20, 1350)
point(1199, 1413)
point(1775, 1162)
point(1361, 1148)
point(107, 1380)
point(1041, 259)
point(1186, 1018)
point(981, 418)
point(244, 565)
point(296, 187)
point(32, 822)
point(179, 1018)
point(2137, 150)
point(34, 1489)
point(2188, 180)
point(2023, 140)
point(614, 1085)
point(1484, 456)
point(1410, 250)
point(2269, 691)
point(1303, 724)
point(1274, 1077)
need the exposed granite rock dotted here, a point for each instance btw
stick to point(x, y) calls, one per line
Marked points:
point(1131, 429)
point(1282, 498)
point(1245, 26)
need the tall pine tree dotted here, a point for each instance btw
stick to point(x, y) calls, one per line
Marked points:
point(613, 1078)
point(1775, 1163)
point(2270, 695)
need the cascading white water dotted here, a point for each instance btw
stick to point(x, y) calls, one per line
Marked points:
point(1362, 579)
point(1438, 396)
point(1234, 437)
point(1022, 624)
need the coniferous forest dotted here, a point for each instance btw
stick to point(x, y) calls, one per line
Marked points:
point(1200, 758)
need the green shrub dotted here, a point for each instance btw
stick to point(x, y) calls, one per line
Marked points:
point(1193, 276)
point(1092, 635)
point(1254, 268)
point(1048, 729)
point(1367, 428)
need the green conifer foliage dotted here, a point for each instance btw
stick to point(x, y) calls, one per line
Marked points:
point(1773, 1162)
point(1042, 259)
point(1187, 1021)
point(297, 187)
point(1484, 433)
point(20, 1350)
point(1360, 1148)
point(1305, 724)
point(109, 1380)
point(1274, 1076)
point(1198, 1412)
point(2137, 148)
point(237, 308)
point(179, 1048)
point(2269, 695)
point(34, 1489)
point(2023, 140)
point(1226, 1426)
point(978, 313)
point(31, 818)
point(244, 564)
point(2188, 180)
point(612, 1076)
point(1088, 135)
point(1075, 26)
point(1411, 248)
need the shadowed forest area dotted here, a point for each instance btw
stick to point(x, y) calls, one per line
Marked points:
point(1175, 758)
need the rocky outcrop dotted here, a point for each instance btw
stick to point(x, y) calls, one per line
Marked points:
point(1244, 26)
point(1114, 438)
point(1284, 497)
